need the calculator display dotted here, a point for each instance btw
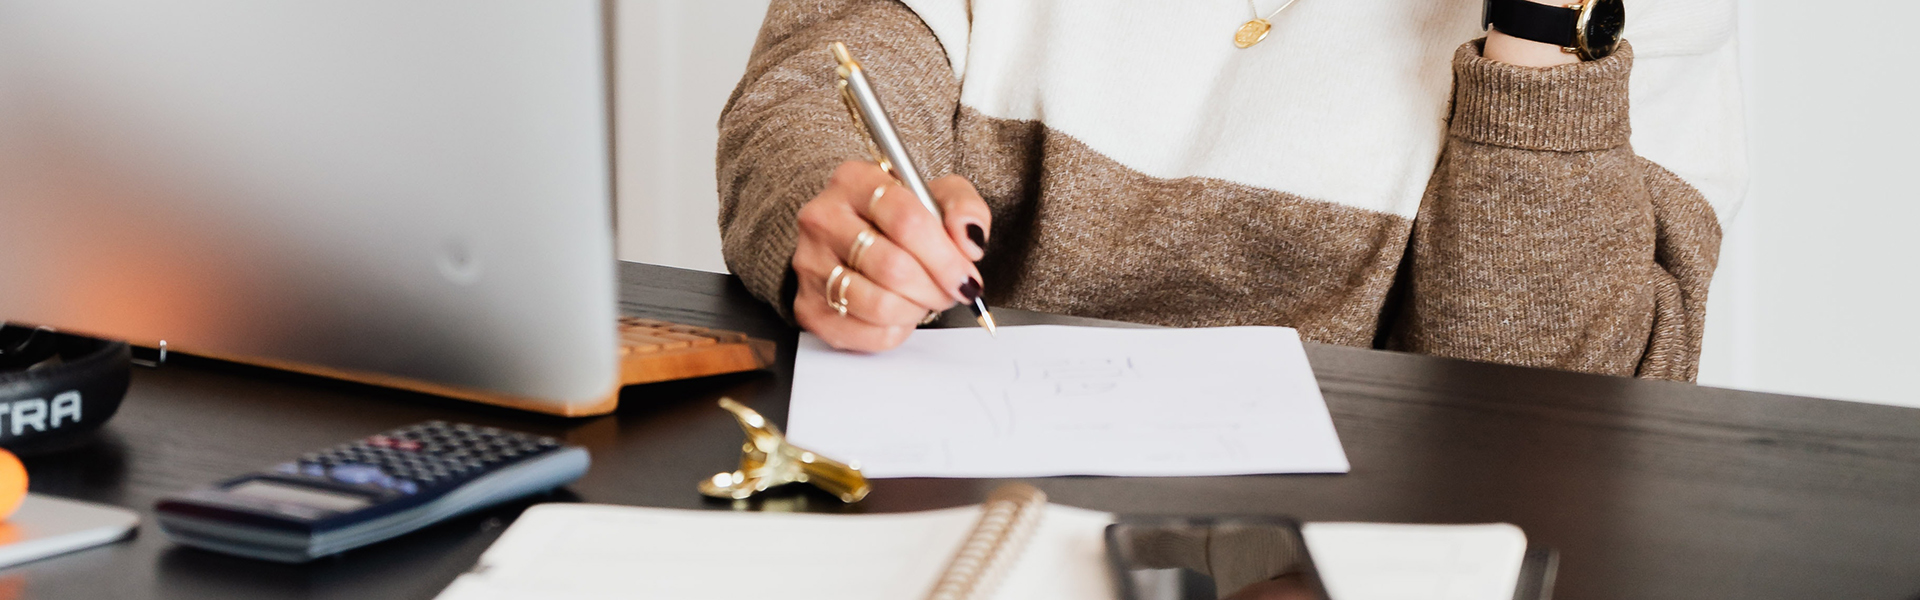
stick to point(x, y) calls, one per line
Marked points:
point(303, 496)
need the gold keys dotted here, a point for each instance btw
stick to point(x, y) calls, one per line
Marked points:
point(768, 461)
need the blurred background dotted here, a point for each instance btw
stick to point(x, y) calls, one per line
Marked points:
point(1816, 291)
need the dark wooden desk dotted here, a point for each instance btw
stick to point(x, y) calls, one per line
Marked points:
point(1649, 489)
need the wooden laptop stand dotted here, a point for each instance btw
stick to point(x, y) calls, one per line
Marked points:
point(650, 351)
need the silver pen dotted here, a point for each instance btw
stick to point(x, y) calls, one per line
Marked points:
point(883, 142)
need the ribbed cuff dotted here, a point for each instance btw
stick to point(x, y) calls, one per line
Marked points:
point(764, 264)
point(1568, 108)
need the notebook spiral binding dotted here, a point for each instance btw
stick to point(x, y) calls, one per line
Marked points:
point(1007, 521)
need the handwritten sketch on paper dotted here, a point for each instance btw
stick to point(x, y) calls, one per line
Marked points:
point(1055, 400)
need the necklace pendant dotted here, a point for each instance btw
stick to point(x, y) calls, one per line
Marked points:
point(1251, 33)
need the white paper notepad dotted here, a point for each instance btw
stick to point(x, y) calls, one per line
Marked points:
point(599, 552)
point(1387, 561)
point(1054, 400)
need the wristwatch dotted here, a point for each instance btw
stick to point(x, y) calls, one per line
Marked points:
point(1588, 28)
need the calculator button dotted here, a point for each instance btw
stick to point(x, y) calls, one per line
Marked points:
point(407, 487)
point(357, 474)
point(313, 470)
point(287, 467)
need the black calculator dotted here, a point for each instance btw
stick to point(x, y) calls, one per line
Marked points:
point(368, 490)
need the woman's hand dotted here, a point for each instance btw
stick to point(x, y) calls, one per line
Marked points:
point(914, 265)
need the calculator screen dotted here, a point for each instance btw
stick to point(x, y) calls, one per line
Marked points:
point(303, 496)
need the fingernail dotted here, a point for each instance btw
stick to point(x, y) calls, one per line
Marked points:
point(970, 289)
point(978, 235)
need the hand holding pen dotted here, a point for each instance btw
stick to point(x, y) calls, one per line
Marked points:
point(881, 251)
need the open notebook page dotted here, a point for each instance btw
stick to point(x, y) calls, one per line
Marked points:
point(1054, 400)
point(599, 552)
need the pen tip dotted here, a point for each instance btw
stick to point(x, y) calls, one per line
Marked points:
point(986, 322)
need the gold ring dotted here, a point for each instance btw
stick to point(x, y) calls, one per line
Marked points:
point(840, 305)
point(846, 281)
point(860, 245)
point(877, 193)
point(932, 315)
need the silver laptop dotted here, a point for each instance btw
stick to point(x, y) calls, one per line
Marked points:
point(414, 191)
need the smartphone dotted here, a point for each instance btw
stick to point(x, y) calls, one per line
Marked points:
point(1211, 558)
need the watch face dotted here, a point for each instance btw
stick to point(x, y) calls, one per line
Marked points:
point(1604, 21)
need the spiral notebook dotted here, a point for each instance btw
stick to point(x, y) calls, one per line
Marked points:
point(1014, 547)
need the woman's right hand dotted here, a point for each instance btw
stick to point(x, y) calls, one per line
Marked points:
point(915, 264)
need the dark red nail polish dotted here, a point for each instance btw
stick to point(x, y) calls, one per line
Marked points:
point(970, 289)
point(978, 235)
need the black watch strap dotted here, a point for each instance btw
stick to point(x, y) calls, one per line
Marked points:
point(1534, 21)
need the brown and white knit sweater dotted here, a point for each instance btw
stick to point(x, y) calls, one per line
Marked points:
point(1405, 193)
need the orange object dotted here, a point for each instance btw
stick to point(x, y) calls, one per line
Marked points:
point(13, 483)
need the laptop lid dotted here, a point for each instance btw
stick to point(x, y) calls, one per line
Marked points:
point(406, 190)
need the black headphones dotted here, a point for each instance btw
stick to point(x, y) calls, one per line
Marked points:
point(57, 388)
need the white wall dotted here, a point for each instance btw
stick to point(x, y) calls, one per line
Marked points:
point(1816, 283)
point(1817, 291)
point(677, 62)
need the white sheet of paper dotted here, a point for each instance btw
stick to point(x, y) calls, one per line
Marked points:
point(1383, 561)
point(1051, 400)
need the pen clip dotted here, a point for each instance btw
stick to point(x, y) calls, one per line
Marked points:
point(853, 111)
point(847, 70)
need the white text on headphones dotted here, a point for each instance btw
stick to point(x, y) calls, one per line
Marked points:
point(32, 412)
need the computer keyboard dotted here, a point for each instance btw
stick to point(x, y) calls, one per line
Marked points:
point(652, 350)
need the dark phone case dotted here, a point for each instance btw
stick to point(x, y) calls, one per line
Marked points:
point(1536, 574)
point(1118, 568)
point(1537, 569)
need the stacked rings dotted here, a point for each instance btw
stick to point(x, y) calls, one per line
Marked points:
point(860, 245)
point(837, 283)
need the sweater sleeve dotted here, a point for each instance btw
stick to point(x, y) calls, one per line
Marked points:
point(1543, 240)
point(785, 129)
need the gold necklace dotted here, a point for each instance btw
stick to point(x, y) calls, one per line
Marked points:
point(1253, 31)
